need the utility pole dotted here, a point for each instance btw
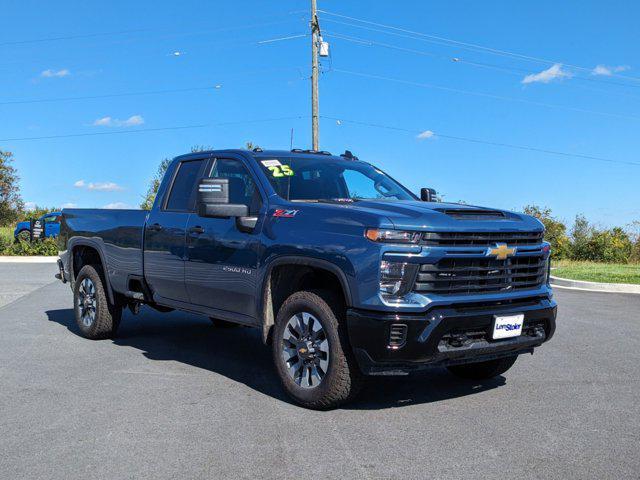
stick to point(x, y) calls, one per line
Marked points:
point(315, 34)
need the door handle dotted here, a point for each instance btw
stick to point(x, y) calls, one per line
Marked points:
point(156, 227)
point(197, 230)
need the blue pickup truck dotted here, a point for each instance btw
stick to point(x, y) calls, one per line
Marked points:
point(345, 271)
point(50, 223)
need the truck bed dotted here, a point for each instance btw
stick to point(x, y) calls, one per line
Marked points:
point(117, 233)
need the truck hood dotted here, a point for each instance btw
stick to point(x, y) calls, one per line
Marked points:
point(435, 216)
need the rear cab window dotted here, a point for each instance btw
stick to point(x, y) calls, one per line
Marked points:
point(182, 194)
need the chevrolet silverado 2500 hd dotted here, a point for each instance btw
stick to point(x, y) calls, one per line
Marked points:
point(345, 271)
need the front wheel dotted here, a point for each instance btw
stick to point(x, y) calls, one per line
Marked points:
point(311, 352)
point(483, 370)
point(23, 235)
point(96, 317)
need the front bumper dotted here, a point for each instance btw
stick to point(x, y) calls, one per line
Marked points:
point(444, 336)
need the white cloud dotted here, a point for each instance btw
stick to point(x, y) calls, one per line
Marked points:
point(424, 135)
point(132, 121)
point(554, 72)
point(104, 187)
point(607, 71)
point(116, 205)
point(29, 206)
point(98, 186)
point(69, 205)
point(55, 73)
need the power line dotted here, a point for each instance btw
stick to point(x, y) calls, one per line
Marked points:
point(484, 142)
point(150, 29)
point(279, 39)
point(481, 94)
point(73, 37)
point(148, 130)
point(139, 93)
point(490, 50)
point(464, 61)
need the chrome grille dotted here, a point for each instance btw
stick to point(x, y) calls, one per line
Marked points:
point(459, 276)
point(474, 239)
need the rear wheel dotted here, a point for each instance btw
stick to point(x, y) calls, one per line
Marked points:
point(311, 352)
point(96, 317)
point(483, 370)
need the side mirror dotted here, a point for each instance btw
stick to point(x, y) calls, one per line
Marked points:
point(213, 200)
point(428, 195)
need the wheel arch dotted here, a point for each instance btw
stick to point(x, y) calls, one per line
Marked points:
point(82, 252)
point(301, 266)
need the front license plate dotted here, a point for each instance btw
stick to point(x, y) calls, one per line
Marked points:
point(508, 326)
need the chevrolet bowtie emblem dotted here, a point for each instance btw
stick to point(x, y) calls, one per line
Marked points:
point(501, 251)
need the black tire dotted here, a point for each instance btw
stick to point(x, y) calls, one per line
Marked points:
point(23, 235)
point(223, 323)
point(342, 380)
point(106, 316)
point(483, 370)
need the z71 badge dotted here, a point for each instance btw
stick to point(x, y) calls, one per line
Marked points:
point(281, 212)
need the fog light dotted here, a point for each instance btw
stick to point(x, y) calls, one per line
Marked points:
point(396, 278)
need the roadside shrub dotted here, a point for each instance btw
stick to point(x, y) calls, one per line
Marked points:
point(589, 243)
point(48, 247)
point(5, 242)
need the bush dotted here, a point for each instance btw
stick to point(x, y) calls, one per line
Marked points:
point(586, 241)
point(609, 245)
point(48, 247)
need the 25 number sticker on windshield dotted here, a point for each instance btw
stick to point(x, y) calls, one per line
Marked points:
point(281, 171)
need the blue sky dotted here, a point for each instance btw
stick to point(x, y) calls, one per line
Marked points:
point(375, 75)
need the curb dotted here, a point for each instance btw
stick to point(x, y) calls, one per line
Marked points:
point(594, 286)
point(26, 259)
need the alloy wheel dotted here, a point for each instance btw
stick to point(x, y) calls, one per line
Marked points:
point(305, 350)
point(87, 302)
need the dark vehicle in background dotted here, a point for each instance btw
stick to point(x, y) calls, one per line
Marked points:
point(50, 222)
point(345, 271)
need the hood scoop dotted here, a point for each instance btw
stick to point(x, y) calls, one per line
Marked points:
point(472, 213)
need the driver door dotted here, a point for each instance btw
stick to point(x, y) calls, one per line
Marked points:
point(222, 260)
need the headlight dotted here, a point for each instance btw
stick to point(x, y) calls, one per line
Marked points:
point(396, 279)
point(391, 236)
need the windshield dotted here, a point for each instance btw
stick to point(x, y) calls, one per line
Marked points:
point(309, 179)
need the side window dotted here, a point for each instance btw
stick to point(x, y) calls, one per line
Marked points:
point(183, 186)
point(242, 188)
point(52, 219)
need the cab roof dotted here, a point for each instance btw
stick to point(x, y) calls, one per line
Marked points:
point(259, 153)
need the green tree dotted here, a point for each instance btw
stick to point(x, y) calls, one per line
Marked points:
point(36, 212)
point(11, 203)
point(555, 231)
point(581, 234)
point(152, 191)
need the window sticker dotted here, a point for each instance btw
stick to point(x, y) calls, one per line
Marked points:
point(281, 171)
point(271, 163)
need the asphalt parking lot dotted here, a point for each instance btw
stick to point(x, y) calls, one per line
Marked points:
point(174, 397)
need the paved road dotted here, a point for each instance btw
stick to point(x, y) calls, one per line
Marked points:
point(18, 279)
point(174, 397)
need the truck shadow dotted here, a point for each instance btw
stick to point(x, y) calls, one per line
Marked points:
point(238, 354)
